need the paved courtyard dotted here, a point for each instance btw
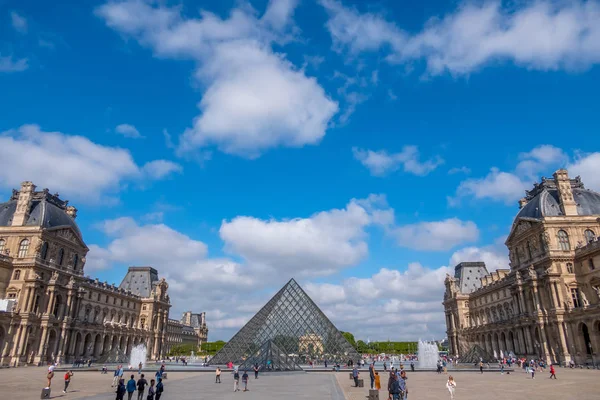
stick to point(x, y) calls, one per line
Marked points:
point(571, 384)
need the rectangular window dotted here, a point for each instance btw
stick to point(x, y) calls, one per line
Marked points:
point(570, 269)
point(592, 266)
point(575, 298)
point(12, 295)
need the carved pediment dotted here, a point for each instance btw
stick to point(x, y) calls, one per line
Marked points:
point(522, 227)
point(70, 236)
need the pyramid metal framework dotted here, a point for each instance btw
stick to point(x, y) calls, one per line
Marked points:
point(288, 331)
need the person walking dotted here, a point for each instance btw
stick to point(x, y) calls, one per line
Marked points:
point(481, 366)
point(121, 389)
point(532, 370)
point(218, 375)
point(395, 388)
point(141, 385)
point(245, 381)
point(236, 380)
point(118, 375)
point(256, 369)
point(412, 366)
point(140, 366)
point(160, 388)
point(385, 366)
point(451, 386)
point(552, 372)
point(130, 387)
point(372, 374)
point(151, 390)
point(355, 376)
point(68, 376)
point(403, 385)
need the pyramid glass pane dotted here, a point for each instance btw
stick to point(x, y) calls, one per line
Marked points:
point(290, 330)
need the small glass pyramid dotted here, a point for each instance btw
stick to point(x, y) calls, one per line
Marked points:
point(289, 331)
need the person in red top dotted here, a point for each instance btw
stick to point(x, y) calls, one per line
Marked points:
point(68, 376)
point(552, 372)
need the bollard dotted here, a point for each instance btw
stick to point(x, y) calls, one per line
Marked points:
point(373, 394)
point(351, 377)
point(45, 393)
point(361, 383)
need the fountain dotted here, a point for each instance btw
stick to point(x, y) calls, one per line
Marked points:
point(428, 354)
point(138, 355)
point(495, 354)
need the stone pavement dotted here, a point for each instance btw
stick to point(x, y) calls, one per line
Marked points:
point(26, 383)
point(180, 386)
point(571, 384)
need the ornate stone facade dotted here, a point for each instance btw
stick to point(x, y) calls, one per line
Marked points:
point(51, 312)
point(191, 329)
point(547, 304)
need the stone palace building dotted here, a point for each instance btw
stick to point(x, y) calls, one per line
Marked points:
point(547, 304)
point(190, 330)
point(49, 311)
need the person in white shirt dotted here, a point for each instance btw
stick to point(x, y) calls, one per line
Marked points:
point(451, 386)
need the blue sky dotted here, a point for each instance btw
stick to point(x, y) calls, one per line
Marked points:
point(361, 147)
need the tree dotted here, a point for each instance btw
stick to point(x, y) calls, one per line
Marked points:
point(362, 347)
point(182, 350)
point(350, 338)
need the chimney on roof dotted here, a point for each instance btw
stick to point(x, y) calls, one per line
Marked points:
point(563, 183)
point(23, 204)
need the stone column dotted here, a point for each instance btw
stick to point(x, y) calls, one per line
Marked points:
point(41, 348)
point(564, 349)
point(50, 307)
point(529, 341)
point(544, 344)
point(521, 340)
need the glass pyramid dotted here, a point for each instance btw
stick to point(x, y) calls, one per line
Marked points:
point(289, 331)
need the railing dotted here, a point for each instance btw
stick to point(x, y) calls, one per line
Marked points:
point(591, 245)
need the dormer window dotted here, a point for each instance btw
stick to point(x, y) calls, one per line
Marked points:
point(75, 261)
point(23, 248)
point(61, 257)
point(563, 240)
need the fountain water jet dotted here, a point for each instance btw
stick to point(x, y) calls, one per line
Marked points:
point(428, 354)
point(138, 355)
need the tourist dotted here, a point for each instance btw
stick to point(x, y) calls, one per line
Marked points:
point(372, 374)
point(501, 368)
point(451, 386)
point(218, 375)
point(412, 366)
point(256, 368)
point(160, 388)
point(245, 381)
point(403, 386)
point(140, 366)
point(130, 387)
point(532, 370)
point(49, 376)
point(377, 381)
point(236, 380)
point(355, 376)
point(118, 374)
point(141, 385)
point(481, 366)
point(552, 372)
point(68, 376)
point(121, 389)
point(391, 379)
point(151, 390)
point(104, 369)
point(385, 366)
point(395, 393)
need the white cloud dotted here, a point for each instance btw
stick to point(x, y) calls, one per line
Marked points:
point(254, 99)
point(541, 35)
point(587, 166)
point(129, 131)
point(456, 170)
point(410, 300)
point(494, 256)
point(159, 169)
point(19, 22)
point(85, 170)
point(8, 64)
point(318, 245)
point(381, 162)
point(510, 186)
point(436, 235)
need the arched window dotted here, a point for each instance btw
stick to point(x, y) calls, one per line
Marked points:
point(2, 245)
point(563, 240)
point(61, 257)
point(57, 306)
point(17, 274)
point(44, 252)
point(590, 236)
point(23, 247)
point(75, 261)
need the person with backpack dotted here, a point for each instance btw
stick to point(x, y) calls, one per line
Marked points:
point(245, 381)
point(151, 390)
point(141, 385)
point(130, 387)
point(121, 389)
point(68, 376)
point(236, 380)
point(160, 388)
